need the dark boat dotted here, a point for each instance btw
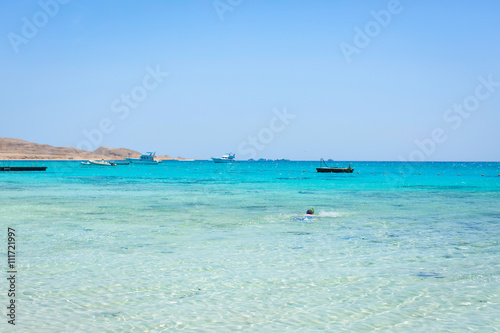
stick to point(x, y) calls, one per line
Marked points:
point(4, 168)
point(326, 168)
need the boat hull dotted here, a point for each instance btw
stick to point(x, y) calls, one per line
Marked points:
point(23, 168)
point(222, 160)
point(139, 161)
point(334, 170)
point(101, 163)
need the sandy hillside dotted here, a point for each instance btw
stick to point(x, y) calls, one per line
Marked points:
point(16, 149)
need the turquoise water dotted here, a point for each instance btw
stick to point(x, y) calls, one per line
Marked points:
point(203, 247)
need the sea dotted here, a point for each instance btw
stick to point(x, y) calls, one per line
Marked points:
point(205, 247)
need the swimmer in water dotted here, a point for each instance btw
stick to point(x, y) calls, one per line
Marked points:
point(307, 217)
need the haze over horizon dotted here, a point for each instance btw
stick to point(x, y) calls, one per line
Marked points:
point(371, 80)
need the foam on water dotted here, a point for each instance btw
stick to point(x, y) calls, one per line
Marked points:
point(322, 213)
point(198, 247)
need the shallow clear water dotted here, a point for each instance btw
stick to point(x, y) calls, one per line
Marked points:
point(197, 246)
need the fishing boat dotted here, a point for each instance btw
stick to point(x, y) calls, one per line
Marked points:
point(228, 158)
point(326, 168)
point(148, 158)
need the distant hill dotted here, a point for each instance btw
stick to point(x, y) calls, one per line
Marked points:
point(16, 149)
point(116, 153)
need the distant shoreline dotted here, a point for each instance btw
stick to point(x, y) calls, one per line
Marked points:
point(20, 150)
point(236, 161)
point(86, 159)
point(12, 149)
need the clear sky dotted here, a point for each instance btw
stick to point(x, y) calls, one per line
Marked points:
point(347, 80)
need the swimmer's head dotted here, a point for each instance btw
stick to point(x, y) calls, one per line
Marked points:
point(310, 211)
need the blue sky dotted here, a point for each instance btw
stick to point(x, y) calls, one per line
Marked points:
point(234, 65)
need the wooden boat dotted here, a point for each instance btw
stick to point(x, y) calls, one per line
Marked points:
point(326, 168)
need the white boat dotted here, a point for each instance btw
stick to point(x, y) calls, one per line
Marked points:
point(101, 162)
point(228, 158)
point(148, 158)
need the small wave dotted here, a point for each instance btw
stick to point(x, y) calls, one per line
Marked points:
point(303, 217)
point(329, 214)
